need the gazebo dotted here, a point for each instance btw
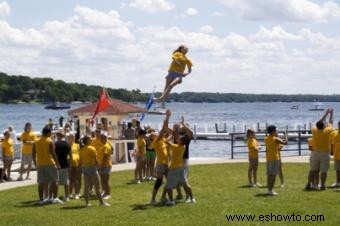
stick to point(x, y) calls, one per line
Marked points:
point(108, 119)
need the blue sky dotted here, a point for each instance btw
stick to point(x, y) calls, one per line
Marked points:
point(249, 46)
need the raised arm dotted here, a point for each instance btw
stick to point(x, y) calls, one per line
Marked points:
point(331, 113)
point(324, 116)
point(188, 131)
point(165, 124)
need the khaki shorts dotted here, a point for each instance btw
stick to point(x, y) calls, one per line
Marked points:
point(175, 177)
point(319, 161)
point(273, 167)
point(161, 170)
point(26, 159)
point(63, 176)
point(47, 174)
point(337, 165)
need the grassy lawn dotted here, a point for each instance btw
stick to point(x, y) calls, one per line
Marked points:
point(219, 190)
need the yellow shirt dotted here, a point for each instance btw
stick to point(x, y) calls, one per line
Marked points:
point(97, 144)
point(88, 156)
point(177, 156)
point(336, 146)
point(310, 144)
point(104, 155)
point(272, 148)
point(43, 155)
point(27, 136)
point(321, 139)
point(75, 155)
point(141, 147)
point(253, 147)
point(8, 148)
point(182, 59)
point(161, 150)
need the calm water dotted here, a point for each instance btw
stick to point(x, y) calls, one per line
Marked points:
point(204, 115)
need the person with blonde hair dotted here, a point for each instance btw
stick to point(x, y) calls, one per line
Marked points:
point(7, 156)
point(176, 71)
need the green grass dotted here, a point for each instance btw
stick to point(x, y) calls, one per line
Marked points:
point(219, 190)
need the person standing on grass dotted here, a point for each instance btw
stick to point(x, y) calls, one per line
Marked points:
point(335, 148)
point(105, 165)
point(45, 159)
point(150, 156)
point(162, 159)
point(140, 156)
point(321, 150)
point(7, 156)
point(89, 164)
point(75, 170)
point(27, 138)
point(273, 157)
point(129, 134)
point(253, 156)
point(63, 152)
point(312, 182)
point(176, 175)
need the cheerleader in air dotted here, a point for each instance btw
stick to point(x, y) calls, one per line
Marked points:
point(176, 71)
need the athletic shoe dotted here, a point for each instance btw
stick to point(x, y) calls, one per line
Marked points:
point(72, 196)
point(107, 197)
point(138, 182)
point(170, 203)
point(41, 202)
point(336, 185)
point(153, 202)
point(258, 185)
point(66, 199)
point(57, 201)
point(282, 185)
point(105, 204)
point(272, 193)
point(20, 178)
point(88, 205)
point(77, 196)
point(193, 200)
point(309, 187)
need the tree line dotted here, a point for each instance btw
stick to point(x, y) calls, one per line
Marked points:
point(18, 88)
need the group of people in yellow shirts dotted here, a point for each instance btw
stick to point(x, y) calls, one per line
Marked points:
point(62, 162)
point(325, 141)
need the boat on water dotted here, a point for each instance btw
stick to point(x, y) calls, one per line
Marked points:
point(57, 106)
point(294, 107)
point(317, 107)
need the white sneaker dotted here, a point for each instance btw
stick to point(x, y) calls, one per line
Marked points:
point(107, 197)
point(72, 196)
point(66, 199)
point(77, 196)
point(193, 200)
point(137, 181)
point(57, 201)
point(88, 205)
point(272, 193)
point(41, 202)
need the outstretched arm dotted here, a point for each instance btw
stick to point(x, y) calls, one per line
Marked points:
point(188, 131)
point(331, 113)
point(324, 116)
point(165, 124)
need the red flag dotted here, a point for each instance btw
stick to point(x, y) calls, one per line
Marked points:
point(102, 104)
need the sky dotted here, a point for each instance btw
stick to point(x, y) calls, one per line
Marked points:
point(242, 46)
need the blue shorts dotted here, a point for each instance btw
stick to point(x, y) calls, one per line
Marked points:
point(89, 171)
point(174, 75)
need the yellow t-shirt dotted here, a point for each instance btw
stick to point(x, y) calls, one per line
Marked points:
point(272, 148)
point(182, 59)
point(105, 151)
point(253, 147)
point(321, 139)
point(177, 152)
point(88, 156)
point(8, 148)
point(75, 155)
point(141, 147)
point(96, 143)
point(161, 150)
point(27, 136)
point(43, 155)
point(310, 144)
point(336, 146)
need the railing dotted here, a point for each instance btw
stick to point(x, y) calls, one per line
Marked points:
point(298, 138)
point(121, 150)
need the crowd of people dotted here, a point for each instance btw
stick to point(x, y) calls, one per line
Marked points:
point(325, 141)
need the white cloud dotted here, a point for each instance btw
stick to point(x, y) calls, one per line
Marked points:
point(5, 10)
point(206, 29)
point(191, 12)
point(152, 6)
point(288, 10)
point(97, 47)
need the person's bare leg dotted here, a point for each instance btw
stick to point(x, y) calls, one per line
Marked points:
point(28, 170)
point(168, 81)
point(168, 90)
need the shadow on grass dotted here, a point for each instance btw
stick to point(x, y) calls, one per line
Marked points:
point(147, 206)
point(74, 207)
point(28, 204)
point(263, 195)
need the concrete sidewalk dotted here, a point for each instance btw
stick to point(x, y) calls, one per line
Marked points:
point(130, 166)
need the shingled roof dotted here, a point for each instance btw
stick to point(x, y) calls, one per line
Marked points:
point(117, 107)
